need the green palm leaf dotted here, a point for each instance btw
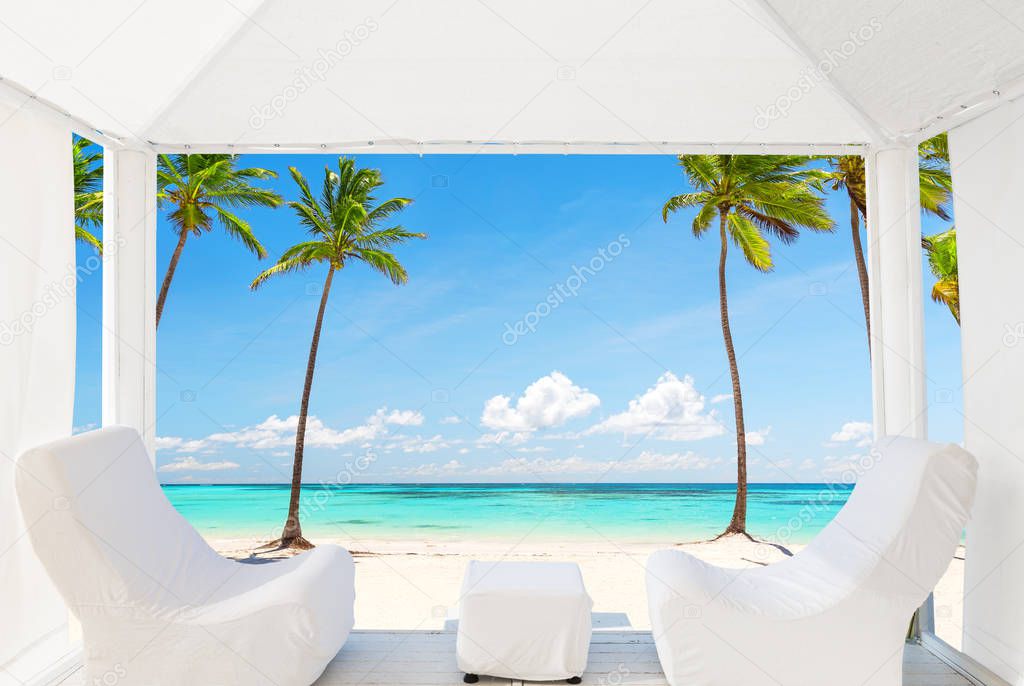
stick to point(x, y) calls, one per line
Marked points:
point(87, 163)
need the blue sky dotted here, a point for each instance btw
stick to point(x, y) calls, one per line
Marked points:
point(617, 321)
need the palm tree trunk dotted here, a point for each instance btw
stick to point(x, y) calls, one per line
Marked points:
point(170, 274)
point(738, 524)
point(862, 269)
point(291, 536)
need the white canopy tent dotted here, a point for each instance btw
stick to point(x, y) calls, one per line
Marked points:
point(572, 77)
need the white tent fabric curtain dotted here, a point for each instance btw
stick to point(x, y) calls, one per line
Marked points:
point(988, 178)
point(37, 364)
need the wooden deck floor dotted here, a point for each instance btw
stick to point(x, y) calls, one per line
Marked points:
point(617, 658)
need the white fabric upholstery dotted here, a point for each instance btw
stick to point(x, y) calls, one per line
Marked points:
point(157, 604)
point(524, 620)
point(838, 611)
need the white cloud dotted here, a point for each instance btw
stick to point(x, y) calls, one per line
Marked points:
point(854, 432)
point(721, 398)
point(451, 419)
point(534, 449)
point(503, 438)
point(673, 409)
point(758, 437)
point(431, 469)
point(549, 401)
point(181, 445)
point(191, 464)
point(275, 432)
point(403, 417)
point(418, 444)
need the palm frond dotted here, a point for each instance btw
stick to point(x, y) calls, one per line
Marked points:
point(88, 238)
point(679, 202)
point(386, 209)
point(749, 239)
point(383, 262)
point(385, 238)
point(280, 267)
point(237, 227)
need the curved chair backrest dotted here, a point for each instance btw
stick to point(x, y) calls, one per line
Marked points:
point(106, 534)
point(903, 520)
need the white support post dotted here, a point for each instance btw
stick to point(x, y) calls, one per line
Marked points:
point(899, 388)
point(129, 292)
point(987, 179)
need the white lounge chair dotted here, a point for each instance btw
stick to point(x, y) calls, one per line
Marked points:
point(836, 613)
point(157, 605)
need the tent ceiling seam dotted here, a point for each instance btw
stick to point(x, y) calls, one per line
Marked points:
point(207, 62)
point(879, 134)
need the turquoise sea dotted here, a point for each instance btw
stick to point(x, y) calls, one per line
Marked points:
point(791, 513)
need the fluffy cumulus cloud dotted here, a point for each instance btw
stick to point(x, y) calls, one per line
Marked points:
point(672, 409)
point(506, 438)
point(549, 401)
point(191, 464)
point(858, 433)
point(721, 398)
point(276, 432)
point(758, 437)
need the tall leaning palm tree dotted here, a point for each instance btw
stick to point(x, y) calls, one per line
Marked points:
point(346, 224)
point(751, 196)
point(202, 189)
point(847, 173)
point(88, 169)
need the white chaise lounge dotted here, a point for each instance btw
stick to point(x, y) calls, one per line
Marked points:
point(837, 612)
point(157, 605)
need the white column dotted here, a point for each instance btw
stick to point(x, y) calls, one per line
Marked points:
point(988, 181)
point(129, 292)
point(897, 308)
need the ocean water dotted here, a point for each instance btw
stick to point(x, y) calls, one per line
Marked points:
point(786, 513)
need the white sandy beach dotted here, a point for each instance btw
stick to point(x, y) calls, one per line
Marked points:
point(415, 584)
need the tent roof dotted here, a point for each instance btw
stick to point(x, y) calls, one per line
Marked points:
point(550, 76)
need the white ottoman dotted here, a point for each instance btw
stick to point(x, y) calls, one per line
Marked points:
point(523, 620)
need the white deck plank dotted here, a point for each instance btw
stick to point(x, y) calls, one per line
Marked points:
point(623, 658)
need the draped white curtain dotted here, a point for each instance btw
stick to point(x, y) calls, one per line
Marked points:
point(37, 364)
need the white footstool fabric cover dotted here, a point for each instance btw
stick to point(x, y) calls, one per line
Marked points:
point(837, 612)
point(524, 620)
point(158, 606)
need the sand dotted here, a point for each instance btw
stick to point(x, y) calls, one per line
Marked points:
point(415, 584)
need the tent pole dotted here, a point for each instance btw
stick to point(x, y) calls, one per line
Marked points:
point(129, 292)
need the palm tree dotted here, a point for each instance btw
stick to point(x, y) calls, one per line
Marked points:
point(752, 195)
point(201, 188)
point(847, 172)
point(941, 252)
point(345, 224)
point(88, 169)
